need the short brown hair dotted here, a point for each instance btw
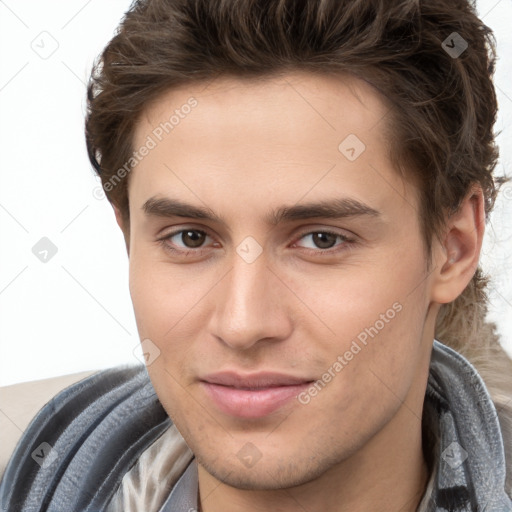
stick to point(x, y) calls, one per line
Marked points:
point(443, 105)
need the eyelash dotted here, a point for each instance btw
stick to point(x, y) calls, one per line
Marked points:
point(346, 244)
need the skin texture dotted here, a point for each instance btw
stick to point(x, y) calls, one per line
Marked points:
point(248, 148)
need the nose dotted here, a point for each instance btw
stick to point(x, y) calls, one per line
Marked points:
point(252, 306)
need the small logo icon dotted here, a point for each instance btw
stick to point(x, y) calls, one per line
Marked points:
point(45, 45)
point(454, 45)
point(352, 147)
point(454, 455)
point(44, 250)
point(44, 455)
point(249, 250)
point(98, 193)
point(249, 455)
point(146, 352)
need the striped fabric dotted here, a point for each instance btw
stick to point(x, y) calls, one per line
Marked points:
point(76, 450)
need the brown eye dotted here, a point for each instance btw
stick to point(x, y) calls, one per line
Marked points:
point(184, 239)
point(192, 238)
point(324, 240)
point(315, 240)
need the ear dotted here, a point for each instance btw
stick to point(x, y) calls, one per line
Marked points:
point(456, 259)
point(124, 227)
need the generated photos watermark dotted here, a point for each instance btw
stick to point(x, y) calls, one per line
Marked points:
point(358, 343)
point(150, 143)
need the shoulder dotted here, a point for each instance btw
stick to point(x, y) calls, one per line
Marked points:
point(76, 449)
point(21, 402)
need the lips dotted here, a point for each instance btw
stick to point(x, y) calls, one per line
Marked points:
point(252, 395)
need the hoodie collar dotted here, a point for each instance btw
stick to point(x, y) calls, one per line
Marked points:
point(469, 465)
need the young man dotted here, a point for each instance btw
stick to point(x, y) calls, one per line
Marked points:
point(303, 188)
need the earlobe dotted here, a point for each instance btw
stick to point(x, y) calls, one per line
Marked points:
point(457, 257)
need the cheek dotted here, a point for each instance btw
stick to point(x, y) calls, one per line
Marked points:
point(382, 294)
point(171, 310)
point(163, 301)
point(164, 312)
point(373, 317)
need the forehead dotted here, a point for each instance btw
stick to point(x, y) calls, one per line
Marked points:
point(324, 103)
point(281, 134)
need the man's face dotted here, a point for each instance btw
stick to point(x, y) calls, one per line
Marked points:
point(334, 307)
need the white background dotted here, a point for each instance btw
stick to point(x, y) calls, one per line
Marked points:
point(73, 313)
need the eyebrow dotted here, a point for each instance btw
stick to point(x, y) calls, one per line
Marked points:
point(329, 209)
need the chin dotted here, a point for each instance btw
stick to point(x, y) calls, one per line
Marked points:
point(265, 475)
